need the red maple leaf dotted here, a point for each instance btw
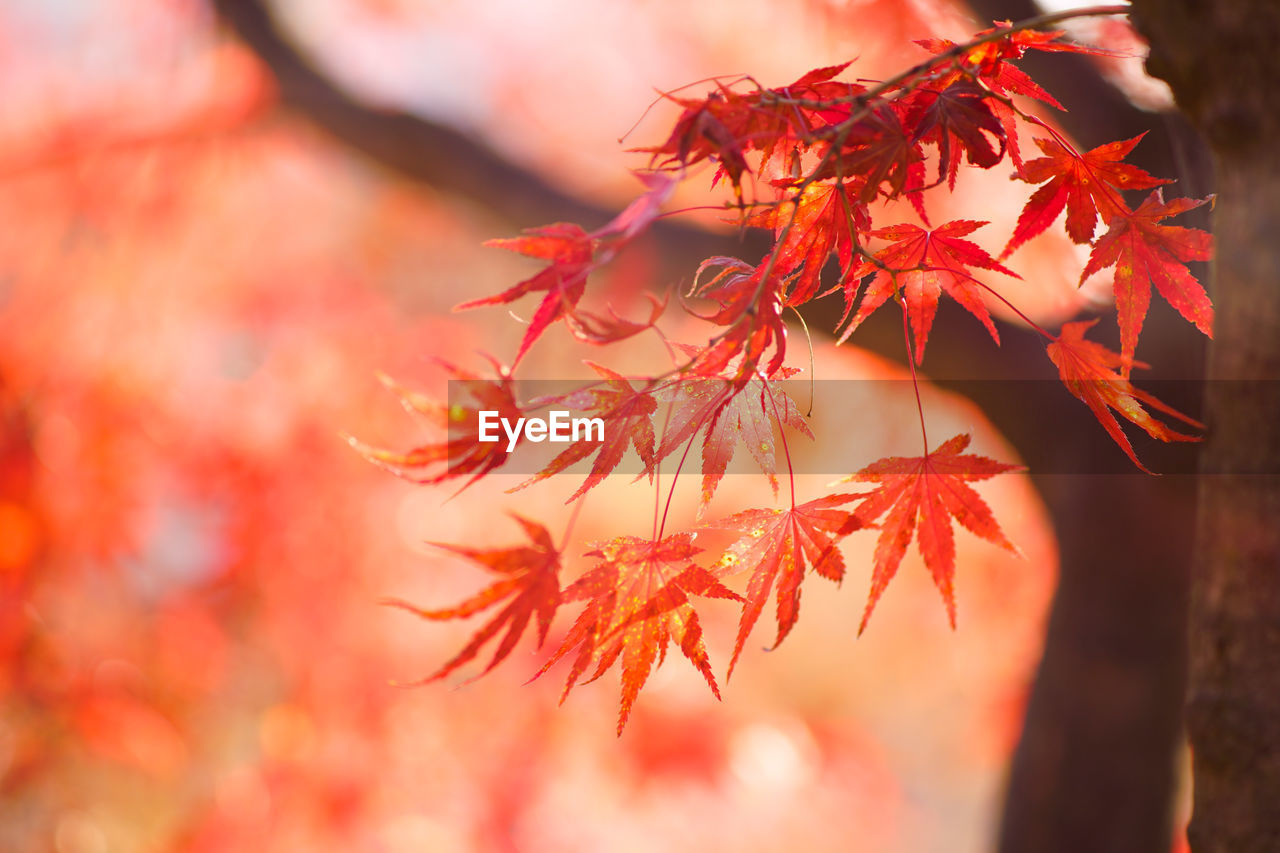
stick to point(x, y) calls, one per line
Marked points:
point(1146, 253)
point(1004, 78)
point(638, 601)
point(717, 126)
point(594, 329)
point(1088, 371)
point(641, 212)
point(1087, 185)
point(528, 576)
point(751, 301)
point(926, 493)
point(570, 252)
point(727, 414)
point(628, 421)
point(989, 57)
point(726, 124)
point(793, 115)
point(816, 85)
point(878, 150)
point(462, 453)
point(958, 119)
point(923, 264)
point(1011, 80)
point(824, 218)
point(774, 547)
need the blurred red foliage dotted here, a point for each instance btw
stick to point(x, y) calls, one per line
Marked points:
point(195, 295)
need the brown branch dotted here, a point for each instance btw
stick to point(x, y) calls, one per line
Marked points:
point(409, 145)
point(438, 156)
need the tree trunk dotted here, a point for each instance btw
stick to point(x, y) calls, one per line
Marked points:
point(1220, 58)
point(1233, 712)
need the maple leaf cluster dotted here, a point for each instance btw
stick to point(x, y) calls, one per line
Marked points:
point(813, 163)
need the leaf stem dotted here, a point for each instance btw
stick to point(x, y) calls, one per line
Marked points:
point(812, 370)
point(915, 380)
point(782, 434)
point(657, 476)
point(674, 479)
point(573, 520)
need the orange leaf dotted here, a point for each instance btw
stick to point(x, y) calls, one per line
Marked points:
point(751, 305)
point(728, 413)
point(638, 601)
point(827, 217)
point(628, 421)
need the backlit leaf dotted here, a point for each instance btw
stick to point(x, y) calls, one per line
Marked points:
point(919, 497)
point(528, 576)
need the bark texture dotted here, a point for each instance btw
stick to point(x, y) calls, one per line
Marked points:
point(1220, 57)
